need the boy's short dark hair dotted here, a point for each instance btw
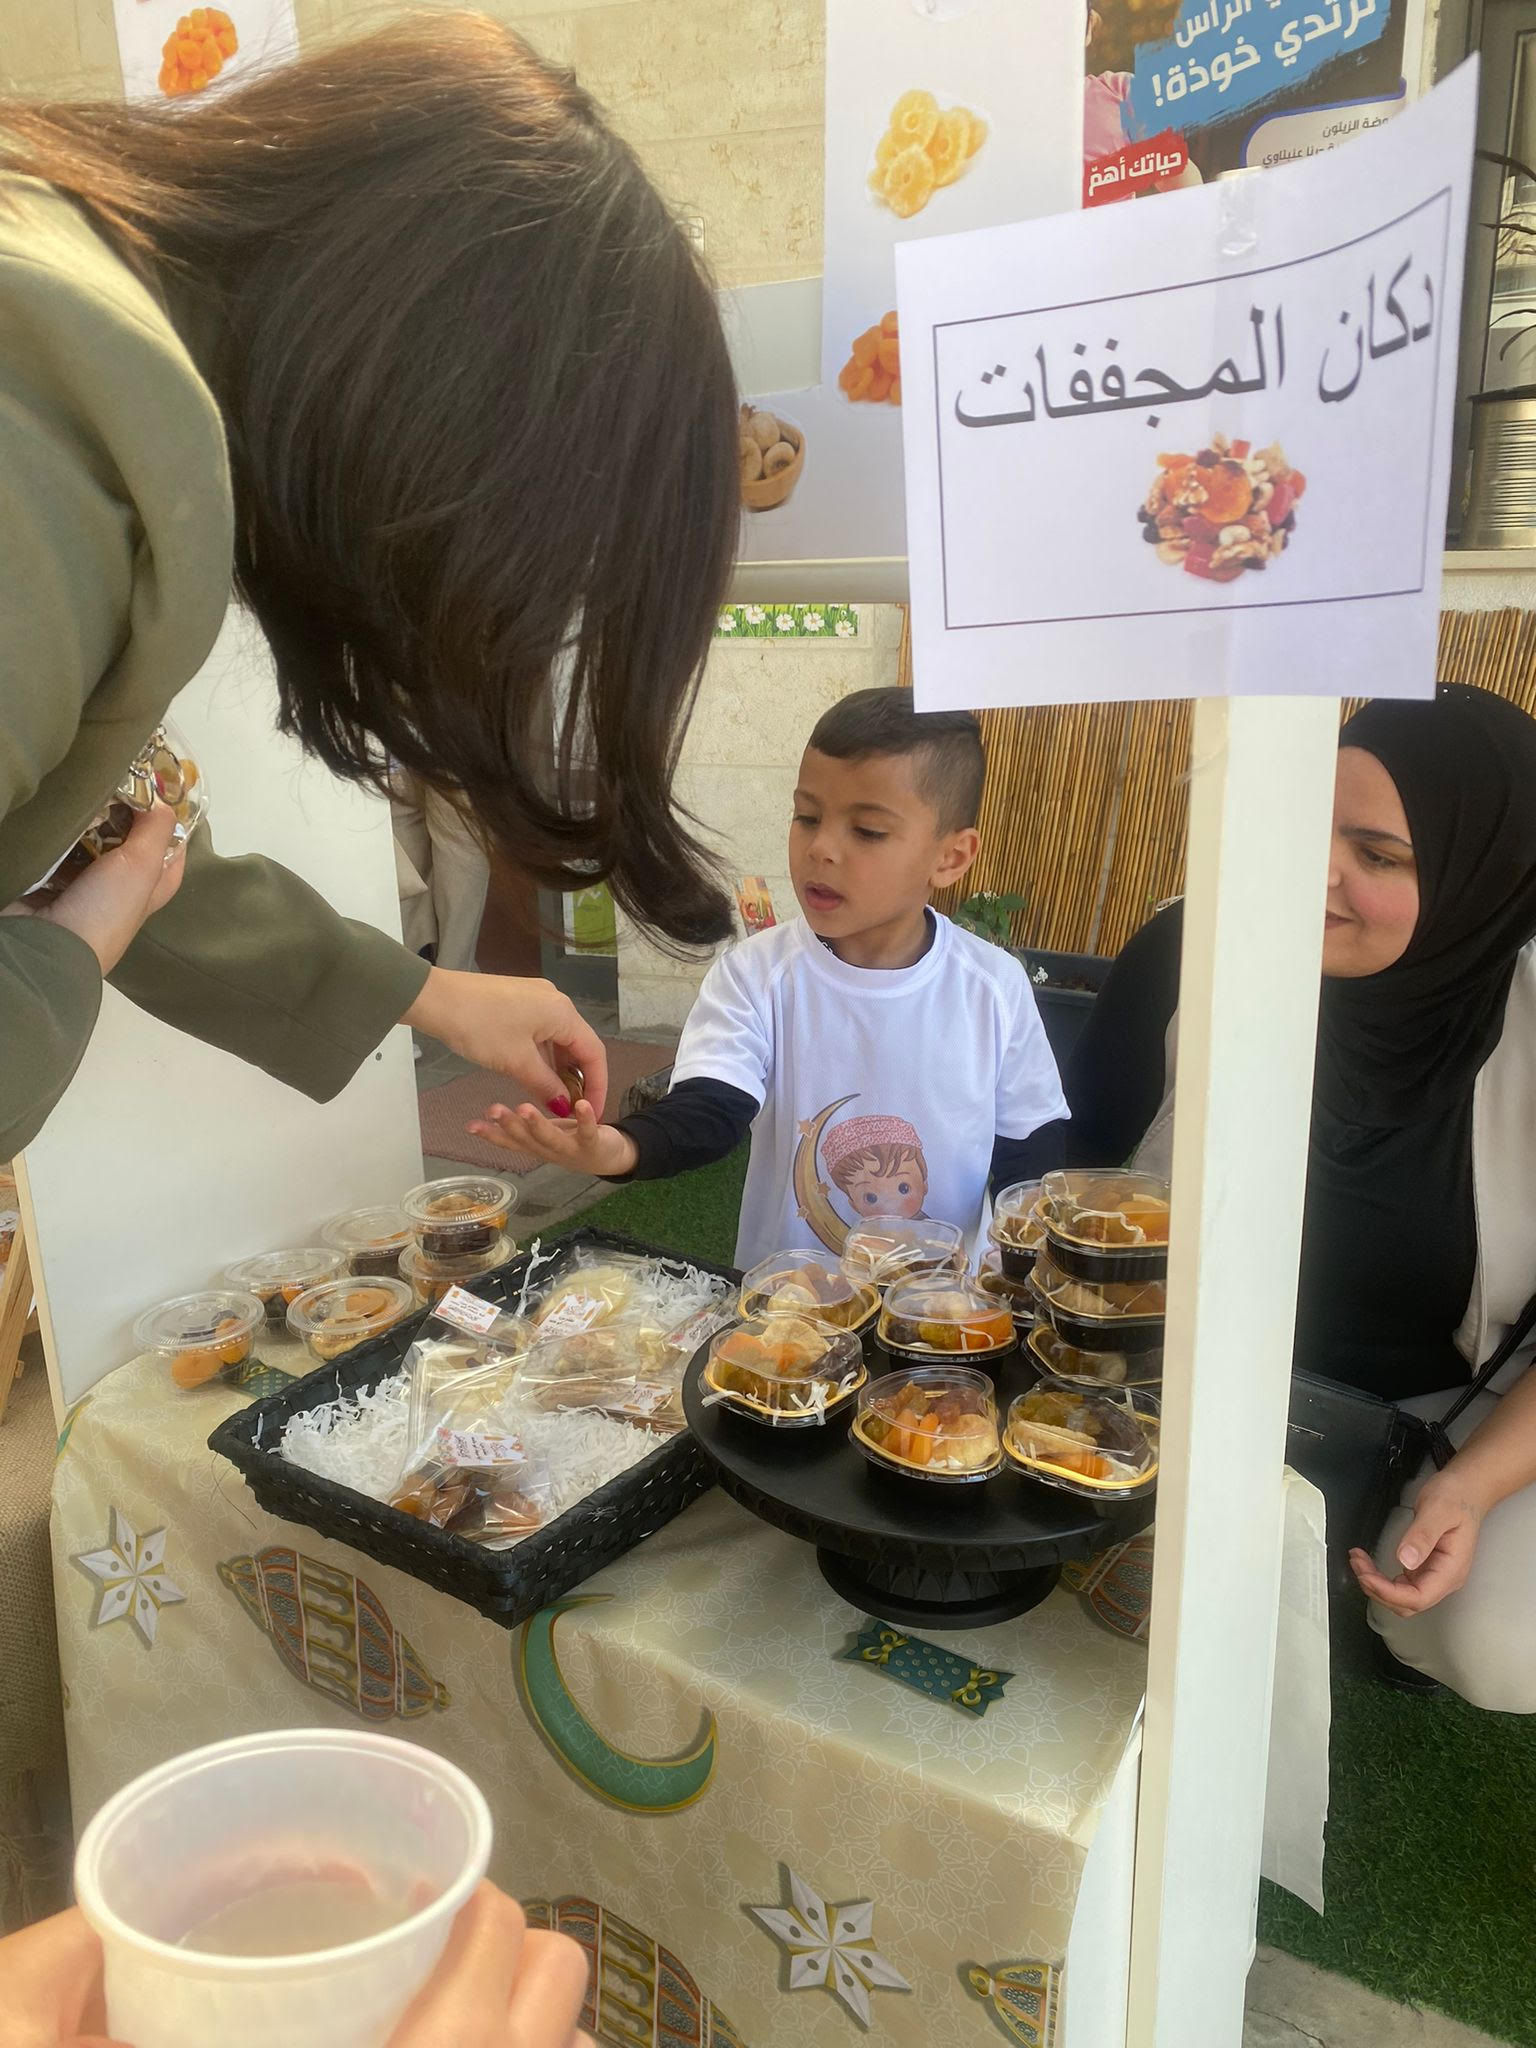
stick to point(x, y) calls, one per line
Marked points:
point(950, 764)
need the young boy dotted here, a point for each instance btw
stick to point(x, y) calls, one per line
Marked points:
point(886, 1062)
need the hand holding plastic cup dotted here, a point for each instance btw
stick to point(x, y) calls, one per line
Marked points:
point(286, 1890)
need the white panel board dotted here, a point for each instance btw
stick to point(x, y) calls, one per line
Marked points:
point(167, 1159)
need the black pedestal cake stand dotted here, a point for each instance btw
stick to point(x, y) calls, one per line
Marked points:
point(920, 1554)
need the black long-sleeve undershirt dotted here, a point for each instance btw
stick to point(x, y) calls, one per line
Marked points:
point(701, 1121)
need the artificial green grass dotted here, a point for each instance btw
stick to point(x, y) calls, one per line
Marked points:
point(1431, 1868)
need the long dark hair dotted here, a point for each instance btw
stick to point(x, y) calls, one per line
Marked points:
point(481, 418)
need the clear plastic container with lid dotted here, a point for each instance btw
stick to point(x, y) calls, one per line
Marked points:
point(430, 1279)
point(945, 1318)
point(934, 1422)
point(787, 1372)
point(370, 1240)
point(890, 1248)
point(1092, 1368)
point(1104, 1225)
point(993, 1277)
point(340, 1314)
point(201, 1335)
point(1018, 1229)
point(1096, 1445)
point(1100, 1315)
point(802, 1283)
point(465, 1213)
point(277, 1279)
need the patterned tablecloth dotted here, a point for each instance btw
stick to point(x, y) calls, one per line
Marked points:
point(771, 1840)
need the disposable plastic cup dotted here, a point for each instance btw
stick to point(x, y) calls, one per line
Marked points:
point(304, 1806)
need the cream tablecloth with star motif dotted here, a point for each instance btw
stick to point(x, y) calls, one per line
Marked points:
point(772, 1846)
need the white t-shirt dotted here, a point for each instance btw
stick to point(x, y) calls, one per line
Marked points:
point(882, 1089)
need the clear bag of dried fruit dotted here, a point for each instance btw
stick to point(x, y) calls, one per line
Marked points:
point(163, 770)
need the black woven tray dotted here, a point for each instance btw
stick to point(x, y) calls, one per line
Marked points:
point(506, 1586)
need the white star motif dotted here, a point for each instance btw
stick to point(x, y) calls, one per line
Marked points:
point(130, 1584)
point(831, 1946)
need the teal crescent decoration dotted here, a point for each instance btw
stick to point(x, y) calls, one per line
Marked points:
point(634, 1784)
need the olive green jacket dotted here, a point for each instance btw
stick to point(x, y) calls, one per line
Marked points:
point(116, 541)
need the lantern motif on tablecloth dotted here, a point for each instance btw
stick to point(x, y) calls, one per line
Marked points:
point(334, 1634)
point(638, 1991)
point(1022, 1998)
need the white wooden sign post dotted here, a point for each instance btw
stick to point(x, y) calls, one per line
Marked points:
point(1200, 446)
point(1261, 795)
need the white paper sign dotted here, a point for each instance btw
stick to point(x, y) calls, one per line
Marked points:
point(1197, 446)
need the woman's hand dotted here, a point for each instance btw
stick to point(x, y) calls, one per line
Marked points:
point(579, 1142)
point(50, 1986)
point(1436, 1549)
point(524, 1029)
point(498, 1985)
point(107, 905)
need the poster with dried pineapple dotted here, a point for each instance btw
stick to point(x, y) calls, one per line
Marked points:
point(942, 115)
point(173, 52)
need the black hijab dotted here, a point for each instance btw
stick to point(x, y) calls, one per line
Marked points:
point(1407, 1043)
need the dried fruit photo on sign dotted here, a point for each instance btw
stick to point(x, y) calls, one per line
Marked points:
point(923, 148)
point(873, 369)
point(1227, 509)
point(196, 50)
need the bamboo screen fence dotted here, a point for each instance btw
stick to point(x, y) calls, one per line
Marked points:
point(1085, 810)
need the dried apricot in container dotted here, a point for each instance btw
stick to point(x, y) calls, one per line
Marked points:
point(277, 1279)
point(945, 1318)
point(802, 1283)
point(370, 1240)
point(1109, 1315)
point(201, 1335)
point(890, 1248)
point(467, 1212)
point(1093, 1445)
point(784, 1371)
point(937, 1423)
point(334, 1317)
point(1103, 1225)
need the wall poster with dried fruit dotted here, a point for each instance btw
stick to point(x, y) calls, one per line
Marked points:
point(170, 50)
point(1193, 448)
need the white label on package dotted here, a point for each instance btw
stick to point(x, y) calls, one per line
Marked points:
point(467, 1311)
point(700, 1326)
point(573, 1314)
point(463, 1447)
point(647, 1398)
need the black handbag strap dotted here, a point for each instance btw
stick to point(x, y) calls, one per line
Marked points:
point(1441, 1447)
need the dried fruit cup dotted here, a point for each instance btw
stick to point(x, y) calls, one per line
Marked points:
point(201, 1335)
point(1081, 1367)
point(1088, 1444)
point(465, 1213)
point(801, 1283)
point(339, 1314)
point(943, 1318)
point(785, 1371)
point(277, 1279)
point(430, 1278)
point(370, 1240)
point(1111, 1315)
point(1018, 1230)
point(888, 1249)
point(935, 1423)
point(1106, 1226)
point(994, 1279)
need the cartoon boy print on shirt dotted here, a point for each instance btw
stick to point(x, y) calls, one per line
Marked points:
point(876, 1164)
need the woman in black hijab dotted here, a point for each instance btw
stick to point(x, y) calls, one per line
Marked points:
point(1419, 1239)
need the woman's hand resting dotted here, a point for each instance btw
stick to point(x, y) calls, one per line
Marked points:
point(1435, 1550)
point(107, 905)
point(524, 1029)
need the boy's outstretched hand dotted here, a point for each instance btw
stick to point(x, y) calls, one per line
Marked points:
point(577, 1142)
